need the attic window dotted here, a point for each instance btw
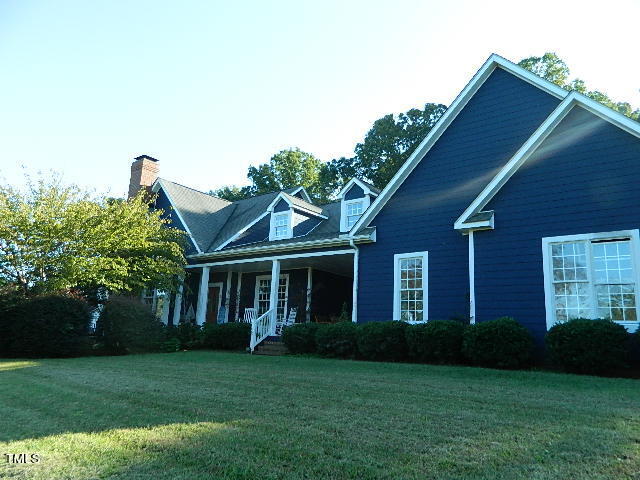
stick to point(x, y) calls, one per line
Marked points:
point(281, 225)
point(353, 210)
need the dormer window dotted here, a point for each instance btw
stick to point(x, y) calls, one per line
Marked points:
point(353, 211)
point(281, 225)
point(355, 198)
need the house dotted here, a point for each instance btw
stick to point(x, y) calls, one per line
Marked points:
point(521, 201)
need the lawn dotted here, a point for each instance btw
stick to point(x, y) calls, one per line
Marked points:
point(202, 415)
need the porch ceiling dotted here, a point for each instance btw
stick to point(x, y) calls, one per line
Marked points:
point(340, 264)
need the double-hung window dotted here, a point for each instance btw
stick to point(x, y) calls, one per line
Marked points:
point(281, 225)
point(592, 276)
point(410, 287)
point(353, 211)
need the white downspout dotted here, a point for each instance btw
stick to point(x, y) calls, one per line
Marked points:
point(356, 257)
point(472, 281)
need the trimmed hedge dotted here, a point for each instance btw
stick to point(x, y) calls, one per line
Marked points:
point(46, 326)
point(588, 346)
point(189, 335)
point(226, 336)
point(126, 325)
point(337, 340)
point(382, 341)
point(500, 343)
point(300, 338)
point(438, 341)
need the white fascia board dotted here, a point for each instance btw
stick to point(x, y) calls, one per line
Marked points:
point(304, 192)
point(573, 99)
point(483, 225)
point(355, 181)
point(277, 257)
point(329, 242)
point(275, 201)
point(493, 62)
point(159, 185)
point(241, 231)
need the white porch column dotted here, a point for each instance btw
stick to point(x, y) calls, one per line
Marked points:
point(177, 306)
point(309, 290)
point(203, 297)
point(273, 298)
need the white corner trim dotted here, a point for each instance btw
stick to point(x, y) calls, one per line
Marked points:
point(240, 232)
point(542, 132)
point(549, 294)
point(186, 227)
point(425, 284)
point(449, 116)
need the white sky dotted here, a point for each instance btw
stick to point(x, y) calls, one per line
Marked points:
point(212, 87)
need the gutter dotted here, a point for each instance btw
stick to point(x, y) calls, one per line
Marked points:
point(329, 242)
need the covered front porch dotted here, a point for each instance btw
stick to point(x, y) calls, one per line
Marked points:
point(316, 286)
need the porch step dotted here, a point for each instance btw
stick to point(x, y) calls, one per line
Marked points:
point(271, 347)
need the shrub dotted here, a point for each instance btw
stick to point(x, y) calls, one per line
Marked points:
point(189, 335)
point(300, 338)
point(226, 336)
point(382, 341)
point(126, 325)
point(588, 346)
point(500, 343)
point(438, 341)
point(46, 326)
point(337, 340)
point(170, 345)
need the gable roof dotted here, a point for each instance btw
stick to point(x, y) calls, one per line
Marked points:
point(493, 62)
point(366, 187)
point(473, 216)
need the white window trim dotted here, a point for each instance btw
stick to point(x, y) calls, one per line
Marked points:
point(425, 284)
point(549, 296)
point(272, 229)
point(286, 294)
point(366, 201)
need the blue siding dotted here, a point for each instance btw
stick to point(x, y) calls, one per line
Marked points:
point(496, 121)
point(281, 206)
point(583, 179)
point(354, 192)
point(162, 202)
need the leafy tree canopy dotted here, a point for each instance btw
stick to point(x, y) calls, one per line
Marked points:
point(387, 145)
point(554, 69)
point(286, 169)
point(55, 237)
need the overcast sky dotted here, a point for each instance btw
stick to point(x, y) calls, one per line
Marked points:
point(209, 87)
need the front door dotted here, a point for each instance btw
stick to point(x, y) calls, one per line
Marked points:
point(263, 292)
point(213, 303)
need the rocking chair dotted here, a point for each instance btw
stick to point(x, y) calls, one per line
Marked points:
point(290, 320)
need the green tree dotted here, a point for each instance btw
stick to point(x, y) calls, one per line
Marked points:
point(391, 140)
point(553, 68)
point(55, 237)
point(286, 169)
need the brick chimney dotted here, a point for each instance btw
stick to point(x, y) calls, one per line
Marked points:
point(144, 171)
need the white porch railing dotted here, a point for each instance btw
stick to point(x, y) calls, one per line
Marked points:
point(262, 327)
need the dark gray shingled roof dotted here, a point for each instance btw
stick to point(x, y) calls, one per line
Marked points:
point(212, 220)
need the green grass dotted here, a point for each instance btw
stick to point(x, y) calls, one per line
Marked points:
point(202, 415)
